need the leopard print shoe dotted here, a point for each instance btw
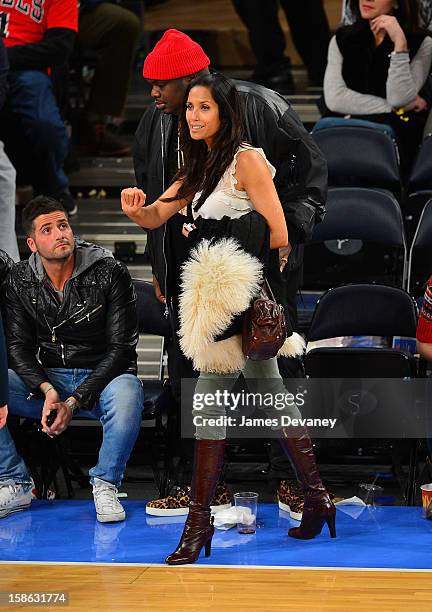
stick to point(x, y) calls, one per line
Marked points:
point(173, 505)
point(222, 498)
point(178, 503)
point(291, 498)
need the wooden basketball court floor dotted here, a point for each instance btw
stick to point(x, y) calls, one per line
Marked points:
point(192, 588)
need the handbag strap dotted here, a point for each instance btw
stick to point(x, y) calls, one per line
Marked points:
point(266, 287)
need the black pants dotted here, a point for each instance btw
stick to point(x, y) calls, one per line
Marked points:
point(113, 32)
point(309, 29)
point(180, 367)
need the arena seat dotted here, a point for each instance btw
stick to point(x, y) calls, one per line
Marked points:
point(373, 310)
point(420, 253)
point(360, 157)
point(361, 239)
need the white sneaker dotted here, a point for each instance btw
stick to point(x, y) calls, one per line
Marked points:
point(108, 507)
point(14, 497)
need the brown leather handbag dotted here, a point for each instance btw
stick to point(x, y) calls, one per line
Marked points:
point(264, 326)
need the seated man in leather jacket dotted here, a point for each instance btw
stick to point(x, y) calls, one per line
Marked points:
point(71, 331)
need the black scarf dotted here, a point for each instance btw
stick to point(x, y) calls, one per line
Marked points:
point(365, 67)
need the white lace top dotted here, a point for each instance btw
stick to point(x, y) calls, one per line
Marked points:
point(226, 200)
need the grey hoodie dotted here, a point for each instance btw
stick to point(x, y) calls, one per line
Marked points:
point(86, 254)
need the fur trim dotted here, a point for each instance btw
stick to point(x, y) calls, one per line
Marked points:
point(223, 357)
point(219, 281)
point(294, 346)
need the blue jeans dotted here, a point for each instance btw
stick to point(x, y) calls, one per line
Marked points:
point(118, 409)
point(31, 98)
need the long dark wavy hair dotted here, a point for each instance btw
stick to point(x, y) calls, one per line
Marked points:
point(407, 13)
point(202, 169)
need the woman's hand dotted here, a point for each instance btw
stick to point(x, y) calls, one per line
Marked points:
point(390, 25)
point(284, 253)
point(3, 416)
point(132, 201)
point(417, 105)
point(158, 293)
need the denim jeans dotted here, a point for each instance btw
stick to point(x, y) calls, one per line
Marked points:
point(118, 409)
point(31, 98)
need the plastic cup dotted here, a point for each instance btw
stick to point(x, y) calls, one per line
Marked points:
point(370, 493)
point(246, 502)
point(426, 490)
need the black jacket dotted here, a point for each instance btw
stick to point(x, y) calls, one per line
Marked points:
point(53, 51)
point(251, 232)
point(301, 171)
point(6, 264)
point(4, 71)
point(3, 368)
point(94, 327)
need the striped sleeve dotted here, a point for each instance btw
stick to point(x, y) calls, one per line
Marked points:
point(424, 325)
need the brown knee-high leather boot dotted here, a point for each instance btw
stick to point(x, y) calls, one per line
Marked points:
point(318, 507)
point(198, 530)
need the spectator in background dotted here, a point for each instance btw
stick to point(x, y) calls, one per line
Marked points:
point(424, 325)
point(8, 240)
point(112, 31)
point(377, 67)
point(425, 13)
point(310, 32)
point(39, 38)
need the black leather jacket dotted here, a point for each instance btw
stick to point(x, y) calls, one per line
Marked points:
point(95, 326)
point(6, 264)
point(301, 171)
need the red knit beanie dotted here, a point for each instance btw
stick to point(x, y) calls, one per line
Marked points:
point(176, 55)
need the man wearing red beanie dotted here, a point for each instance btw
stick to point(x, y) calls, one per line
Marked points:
point(176, 55)
point(301, 183)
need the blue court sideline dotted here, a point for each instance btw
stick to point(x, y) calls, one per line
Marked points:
point(67, 531)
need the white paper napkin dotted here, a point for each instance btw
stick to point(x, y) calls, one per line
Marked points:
point(226, 519)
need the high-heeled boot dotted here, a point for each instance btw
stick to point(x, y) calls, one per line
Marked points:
point(198, 530)
point(318, 507)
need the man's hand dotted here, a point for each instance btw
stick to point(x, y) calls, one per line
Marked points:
point(158, 293)
point(62, 420)
point(3, 416)
point(417, 105)
point(132, 201)
point(52, 398)
point(284, 253)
